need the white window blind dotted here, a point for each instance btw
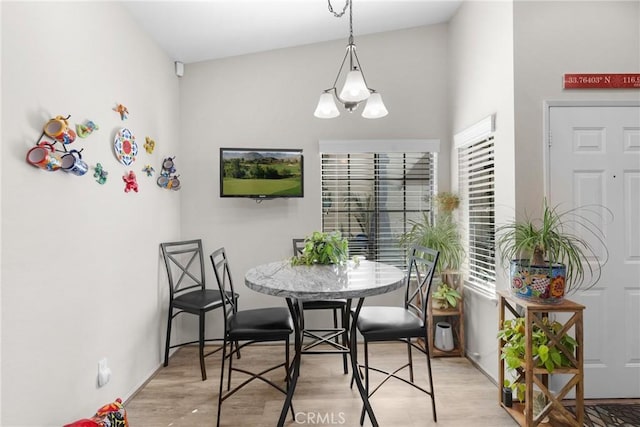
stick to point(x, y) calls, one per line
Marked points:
point(370, 197)
point(476, 162)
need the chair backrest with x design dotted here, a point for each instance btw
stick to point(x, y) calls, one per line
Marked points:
point(185, 266)
point(298, 246)
point(422, 266)
point(225, 283)
point(184, 261)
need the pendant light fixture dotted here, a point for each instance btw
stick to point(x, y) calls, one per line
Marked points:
point(355, 89)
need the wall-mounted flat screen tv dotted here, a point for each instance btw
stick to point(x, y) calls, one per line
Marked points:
point(261, 173)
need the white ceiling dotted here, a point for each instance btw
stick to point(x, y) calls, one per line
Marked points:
point(192, 31)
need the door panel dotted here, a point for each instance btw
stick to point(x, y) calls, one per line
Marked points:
point(594, 158)
point(631, 215)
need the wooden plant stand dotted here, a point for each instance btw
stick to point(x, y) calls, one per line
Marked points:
point(531, 375)
point(455, 316)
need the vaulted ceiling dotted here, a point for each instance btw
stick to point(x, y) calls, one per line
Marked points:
point(193, 31)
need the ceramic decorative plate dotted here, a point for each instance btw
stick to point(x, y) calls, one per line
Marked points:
point(125, 147)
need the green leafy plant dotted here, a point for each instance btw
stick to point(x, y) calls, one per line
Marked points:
point(446, 297)
point(557, 237)
point(544, 354)
point(441, 235)
point(323, 248)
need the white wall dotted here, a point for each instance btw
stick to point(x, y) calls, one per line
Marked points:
point(552, 38)
point(80, 261)
point(0, 237)
point(481, 49)
point(508, 58)
point(267, 100)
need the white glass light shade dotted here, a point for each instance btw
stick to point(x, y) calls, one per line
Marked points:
point(354, 89)
point(375, 107)
point(326, 108)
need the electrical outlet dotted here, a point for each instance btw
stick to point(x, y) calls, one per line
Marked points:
point(104, 373)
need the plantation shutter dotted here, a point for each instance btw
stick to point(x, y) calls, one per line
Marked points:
point(476, 163)
point(371, 196)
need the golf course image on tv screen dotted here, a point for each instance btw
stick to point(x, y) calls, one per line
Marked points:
point(261, 173)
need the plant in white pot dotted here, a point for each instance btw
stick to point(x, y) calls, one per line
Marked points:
point(553, 255)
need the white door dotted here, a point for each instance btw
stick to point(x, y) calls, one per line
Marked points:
point(594, 158)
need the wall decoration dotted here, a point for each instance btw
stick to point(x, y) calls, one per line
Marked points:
point(58, 129)
point(148, 170)
point(100, 174)
point(125, 147)
point(168, 165)
point(44, 156)
point(167, 178)
point(72, 162)
point(124, 112)
point(149, 145)
point(601, 81)
point(130, 182)
point(84, 130)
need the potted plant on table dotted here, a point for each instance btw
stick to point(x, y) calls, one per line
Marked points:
point(323, 248)
point(548, 257)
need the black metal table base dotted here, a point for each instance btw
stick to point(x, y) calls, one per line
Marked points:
point(295, 306)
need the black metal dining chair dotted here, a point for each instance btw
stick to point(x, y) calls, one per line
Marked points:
point(184, 261)
point(246, 327)
point(325, 336)
point(406, 324)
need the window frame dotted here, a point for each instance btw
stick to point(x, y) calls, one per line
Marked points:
point(398, 152)
point(480, 133)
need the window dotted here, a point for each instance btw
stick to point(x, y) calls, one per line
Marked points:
point(476, 161)
point(370, 197)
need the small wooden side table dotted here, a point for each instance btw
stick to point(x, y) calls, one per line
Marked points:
point(530, 374)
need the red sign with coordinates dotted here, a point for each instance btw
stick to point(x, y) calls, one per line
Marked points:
point(602, 81)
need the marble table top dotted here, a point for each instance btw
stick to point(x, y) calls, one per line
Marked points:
point(353, 280)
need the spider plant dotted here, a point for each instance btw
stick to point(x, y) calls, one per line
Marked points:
point(441, 235)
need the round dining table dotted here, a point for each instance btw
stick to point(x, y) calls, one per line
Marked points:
point(352, 280)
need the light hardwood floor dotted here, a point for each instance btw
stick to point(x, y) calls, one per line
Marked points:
point(176, 396)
